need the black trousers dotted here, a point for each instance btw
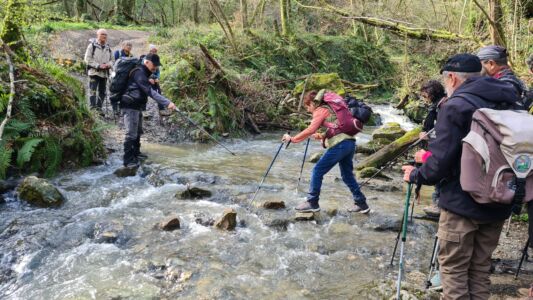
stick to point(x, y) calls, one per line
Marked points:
point(97, 88)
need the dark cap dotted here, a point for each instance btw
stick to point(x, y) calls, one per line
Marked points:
point(464, 62)
point(154, 58)
point(492, 52)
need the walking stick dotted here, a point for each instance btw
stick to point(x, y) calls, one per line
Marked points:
point(508, 225)
point(268, 170)
point(404, 238)
point(302, 167)
point(432, 262)
point(524, 256)
point(203, 130)
point(396, 244)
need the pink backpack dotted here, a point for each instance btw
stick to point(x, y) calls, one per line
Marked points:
point(497, 158)
point(345, 122)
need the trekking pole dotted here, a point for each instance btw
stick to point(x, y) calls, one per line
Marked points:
point(432, 262)
point(268, 170)
point(389, 163)
point(524, 256)
point(203, 130)
point(404, 238)
point(397, 242)
point(302, 167)
point(508, 225)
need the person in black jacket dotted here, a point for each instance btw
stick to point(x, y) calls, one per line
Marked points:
point(468, 232)
point(132, 103)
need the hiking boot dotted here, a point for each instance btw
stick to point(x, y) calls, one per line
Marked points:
point(360, 208)
point(436, 284)
point(432, 211)
point(164, 112)
point(306, 206)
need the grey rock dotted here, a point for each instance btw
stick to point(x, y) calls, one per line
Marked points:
point(107, 232)
point(125, 172)
point(316, 157)
point(279, 224)
point(204, 220)
point(304, 216)
point(228, 221)
point(40, 192)
point(170, 223)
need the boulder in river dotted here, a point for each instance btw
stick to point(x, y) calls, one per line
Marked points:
point(228, 221)
point(316, 157)
point(193, 193)
point(390, 131)
point(170, 223)
point(125, 172)
point(274, 204)
point(40, 192)
point(318, 81)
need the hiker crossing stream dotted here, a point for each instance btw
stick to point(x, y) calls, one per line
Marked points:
point(104, 243)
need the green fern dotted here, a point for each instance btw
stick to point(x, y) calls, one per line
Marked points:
point(54, 155)
point(25, 153)
point(5, 160)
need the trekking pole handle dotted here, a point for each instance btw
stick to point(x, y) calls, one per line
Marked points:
point(289, 142)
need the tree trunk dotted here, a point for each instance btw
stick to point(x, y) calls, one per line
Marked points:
point(283, 17)
point(11, 33)
point(496, 30)
point(67, 6)
point(390, 151)
point(124, 10)
point(173, 8)
point(81, 8)
point(244, 14)
point(195, 15)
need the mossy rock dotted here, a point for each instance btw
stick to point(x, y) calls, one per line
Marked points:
point(373, 146)
point(318, 81)
point(416, 111)
point(40, 192)
point(390, 132)
point(375, 120)
point(369, 172)
point(316, 157)
point(194, 193)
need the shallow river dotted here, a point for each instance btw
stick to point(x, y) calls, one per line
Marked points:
point(54, 253)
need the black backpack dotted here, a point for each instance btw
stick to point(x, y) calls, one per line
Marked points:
point(124, 67)
point(359, 109)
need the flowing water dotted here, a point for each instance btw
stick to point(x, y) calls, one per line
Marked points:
point(56, 253)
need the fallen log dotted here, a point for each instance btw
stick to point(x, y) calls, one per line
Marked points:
point(390, 151)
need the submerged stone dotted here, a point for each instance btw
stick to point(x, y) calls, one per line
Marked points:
point(274, 204)
point(107, 232)
point(170, 223)
point(40, 192)
point(228, 221)
point(193, 193)
point(125, 172)
point(316, 157)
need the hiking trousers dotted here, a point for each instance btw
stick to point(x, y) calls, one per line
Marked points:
point(132, 142)
point(342, 153)
point(97, 90)
point(466, 247)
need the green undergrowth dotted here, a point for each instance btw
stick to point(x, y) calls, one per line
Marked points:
point(51, 126)
point(58, 26)
point(257, 76)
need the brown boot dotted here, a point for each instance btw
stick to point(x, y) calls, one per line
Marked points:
point(432, 211)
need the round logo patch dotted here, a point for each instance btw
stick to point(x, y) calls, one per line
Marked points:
point(522, 163)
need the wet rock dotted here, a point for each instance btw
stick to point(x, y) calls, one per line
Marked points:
point(274, 204)
point(416, 278)
point(193, 193)
point(304, 216)
point(155, 180)
point(40, 192)
point(228, 221)
point(204, 220)
point(8, 185)
point(108, 232)
point(316, 157)
point(170, 223)
point(279, 224)
point(381, 223)
point(125, 172)
point(369, 172)
point(416, 111)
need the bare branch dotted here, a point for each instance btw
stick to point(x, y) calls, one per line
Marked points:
point(8, 52)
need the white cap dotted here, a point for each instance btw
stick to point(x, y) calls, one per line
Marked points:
point(152, 46)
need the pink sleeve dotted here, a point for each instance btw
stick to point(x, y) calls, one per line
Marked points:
point(319, 116)
point(426, 156)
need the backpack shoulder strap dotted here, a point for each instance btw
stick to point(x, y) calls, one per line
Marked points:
point(94, 49)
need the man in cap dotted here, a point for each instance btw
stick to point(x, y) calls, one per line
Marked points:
point(494, 61)
point(468, 232)
point(99, 60)
point(132, 103)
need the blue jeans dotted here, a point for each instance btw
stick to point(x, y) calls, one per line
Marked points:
point(341, 153)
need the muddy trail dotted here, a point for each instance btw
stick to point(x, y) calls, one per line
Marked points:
point(106, 242)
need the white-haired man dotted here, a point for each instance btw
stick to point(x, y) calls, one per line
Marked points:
point(99, 59)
